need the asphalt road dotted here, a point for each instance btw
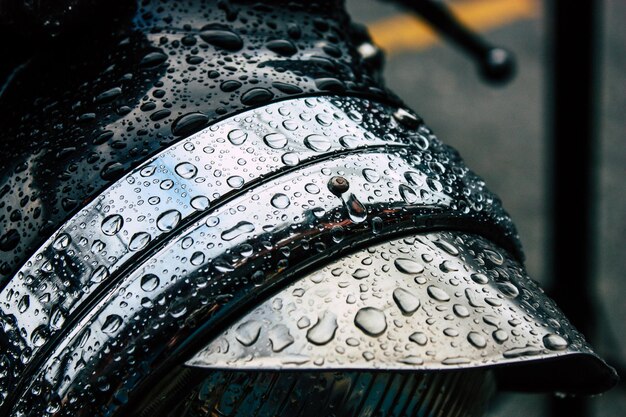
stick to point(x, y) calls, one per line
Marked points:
point(501, 134)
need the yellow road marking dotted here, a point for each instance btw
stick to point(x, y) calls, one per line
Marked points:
point(407, 32)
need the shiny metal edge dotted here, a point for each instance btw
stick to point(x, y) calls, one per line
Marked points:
point(401, 178)
point(433, 301)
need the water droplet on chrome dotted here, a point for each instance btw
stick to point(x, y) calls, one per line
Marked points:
point(168, 220)
point(235, 181)
point(62, 242)
point(280, 201)
point(111, 324)
point(237, 136)
point(275, 140)
point(280, 337)
point(200, 203)
point(407, 302)
point(553, 341)
point(477, 340)
point(186, 170)
point(317, 143)
point(238, 230)
point(437, 293)
point(112, 224)
point(419, 338)
point(371, 321)
point(248, 332)
point(149, 282)
point(371, 175)
point(323, 331)
point(100, 274)
point(408, 266)
point(139, 241)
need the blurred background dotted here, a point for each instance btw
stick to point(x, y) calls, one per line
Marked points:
point(502, 134)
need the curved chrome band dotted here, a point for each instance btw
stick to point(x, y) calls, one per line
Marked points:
point(187, 242)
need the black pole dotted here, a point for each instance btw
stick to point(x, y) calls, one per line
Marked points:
point(573, 105)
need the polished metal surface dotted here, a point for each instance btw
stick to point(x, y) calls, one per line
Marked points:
point(159, 264)
point(430, 301)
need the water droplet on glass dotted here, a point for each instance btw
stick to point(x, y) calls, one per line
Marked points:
point(437, 293)
point(237, 136)
point(553, 341)
point(186, 170)
point(407, 302)
point(323, 331)
point(317, 143)
point(275, 140)
point(111, 324)
point(112, 224)
point(149, 282)
point(238, 230)
point(168, 220)
point(408, 266)
point(371, 321)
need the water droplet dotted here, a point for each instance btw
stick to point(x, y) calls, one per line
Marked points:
point(323, 331)
point(460, 310)
point(437, 293)
point(408, 194)
point(200, 203)
point(360, 273)
point(508, 289)
point(275, 140)
point(282, 47)
point(139, 241)
point(312, 188)
point(280, 337)
point(24, 303)
point(408, 266)
point(256, 96)
point(477, 340)
point(237, 136)
point(280, 201)
point(197, 258)
point(480, 278)
point(500, 336)
point(450, 332)
point(317, 143)
point(235, 181)
point(100, 274)
point(153, 59)
point(238, 230)
point(248, 332)
point(356, 210)
point(553, 341)
point(371, 175)
point(112, 324)
point(290, 159)
point(349, 142)
point(149, 282)
point(40, 336)
point(62, 242)
point(222, 38)
point(371, 321)
point(186, 170)
point(407, 302)
point(447, 246)
point(168, 220)
point(112, 224)
point(419, 338)
point(189, 123)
